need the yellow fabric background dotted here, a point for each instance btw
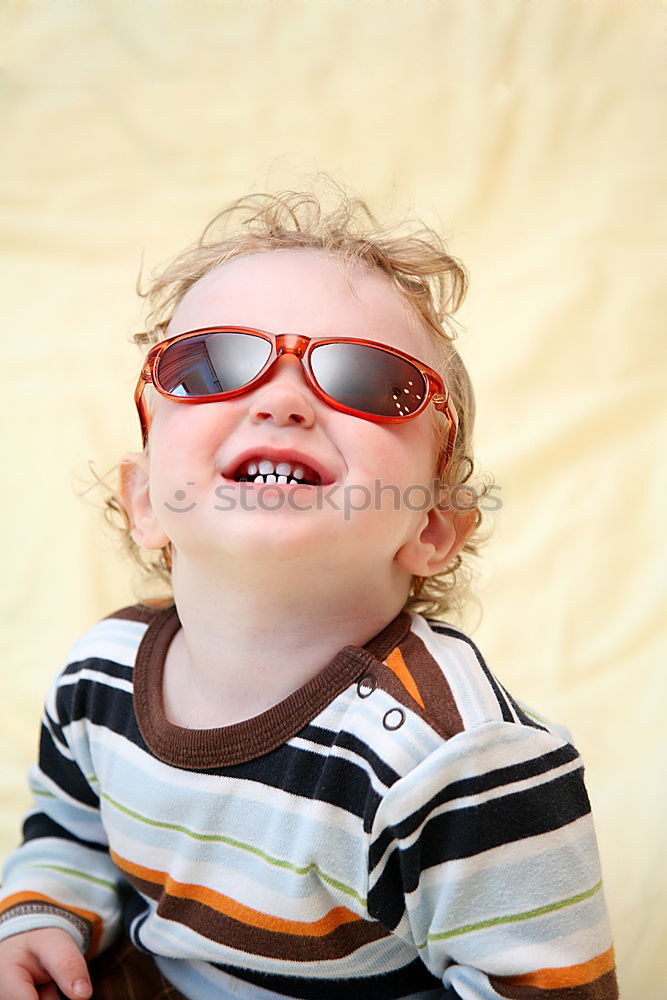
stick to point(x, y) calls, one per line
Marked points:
point(534, 134)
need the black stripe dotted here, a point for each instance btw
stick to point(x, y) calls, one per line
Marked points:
point(386, 900)
point(292, 769)
point(39, 825)
point(412, 978)
point(497, 690)
point(348, 741)
point(512, 773)
point(64, 772)
point(101, 665)
point(135, 912)
point(472, 830)
point(57, 734)
point(472, 786)
point(92, 700)
point(305, 773)
point(528, 813)
point(523, 716)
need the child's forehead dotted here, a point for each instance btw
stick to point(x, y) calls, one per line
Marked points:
point(306, 291)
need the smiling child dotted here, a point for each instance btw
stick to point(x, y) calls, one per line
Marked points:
point(294, 779)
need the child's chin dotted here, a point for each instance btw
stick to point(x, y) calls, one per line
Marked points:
point(283, 536)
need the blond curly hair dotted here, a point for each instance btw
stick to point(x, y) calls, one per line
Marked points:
point(414, 258)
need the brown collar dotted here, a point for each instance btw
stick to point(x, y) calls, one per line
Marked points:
point(202, 749)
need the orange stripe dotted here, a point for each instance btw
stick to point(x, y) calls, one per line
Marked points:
point(396, 663)
point(237, 911)
point(37, 897)
point(573, 975)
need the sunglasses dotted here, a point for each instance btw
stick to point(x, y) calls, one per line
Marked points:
point(358, 377)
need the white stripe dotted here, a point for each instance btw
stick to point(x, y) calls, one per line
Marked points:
point(449, 897)
point(406, 747)
point(295, 897)
point(89, 674)
point(528, 952)
point(141, 772)
point(546, 954)
point(580, 836)
point(197, 979)
point(470, 686)
point(343, 753)
point(389, 954)
point(115, 639)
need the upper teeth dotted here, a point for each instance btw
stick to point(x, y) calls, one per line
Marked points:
point(266, 471)
point(266, 468)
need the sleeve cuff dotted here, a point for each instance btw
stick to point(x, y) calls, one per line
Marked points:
point(34, 916)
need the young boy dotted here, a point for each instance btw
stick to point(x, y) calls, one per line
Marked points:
point(287, 782)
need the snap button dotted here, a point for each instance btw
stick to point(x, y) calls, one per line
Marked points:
point(393, 719)
point(366, 686)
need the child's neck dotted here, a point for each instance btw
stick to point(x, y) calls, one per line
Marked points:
point(248, 641)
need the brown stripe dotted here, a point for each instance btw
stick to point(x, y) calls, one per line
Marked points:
point(267, 941)
point(440, 711)
point(343, 941)
point(223, 904)
point(603, 988)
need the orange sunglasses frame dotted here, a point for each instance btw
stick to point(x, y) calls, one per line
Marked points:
point(301, 347)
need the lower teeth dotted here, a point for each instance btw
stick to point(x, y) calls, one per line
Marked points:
point(269, 479)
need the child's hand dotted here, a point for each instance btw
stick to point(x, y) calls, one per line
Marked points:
point(48, 958)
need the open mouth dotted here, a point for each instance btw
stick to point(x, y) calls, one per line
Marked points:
point(264, 470)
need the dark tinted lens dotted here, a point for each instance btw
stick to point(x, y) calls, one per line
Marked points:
point(212, 363)
point(367, 379)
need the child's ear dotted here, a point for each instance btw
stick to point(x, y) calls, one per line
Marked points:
point(437, 541)
point(136, 500)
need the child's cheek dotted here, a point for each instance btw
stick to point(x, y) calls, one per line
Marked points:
point(187, 431)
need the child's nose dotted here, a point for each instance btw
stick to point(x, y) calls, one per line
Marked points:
point(285, 398)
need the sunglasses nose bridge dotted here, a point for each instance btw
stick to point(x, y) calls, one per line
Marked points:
point(291, 343)
point(288, 345)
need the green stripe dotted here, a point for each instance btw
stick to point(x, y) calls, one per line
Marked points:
point(77, 874)
point(230, 842)
point(514, 917)
point(532, 714)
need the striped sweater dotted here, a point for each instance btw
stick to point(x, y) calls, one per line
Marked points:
point(397, 828)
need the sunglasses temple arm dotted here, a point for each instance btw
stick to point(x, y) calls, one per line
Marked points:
point(453, 418)
point(443, 403)
point(140, 404)
point(451, 438)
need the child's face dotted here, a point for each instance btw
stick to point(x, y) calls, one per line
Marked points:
point(194, 450)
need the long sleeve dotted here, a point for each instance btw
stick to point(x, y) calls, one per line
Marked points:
point(62, 875)
point(484, 858)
